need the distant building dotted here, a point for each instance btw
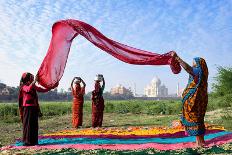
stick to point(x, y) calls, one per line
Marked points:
point(179, 91)
point(2, 86)
point(119, 89)
point(155, 89)
point(6, 90)
point(3, 89)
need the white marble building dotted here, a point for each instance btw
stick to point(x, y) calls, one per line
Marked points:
point(155, 89)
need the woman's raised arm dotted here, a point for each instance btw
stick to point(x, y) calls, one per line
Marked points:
point(72, 83)
point(185, 65)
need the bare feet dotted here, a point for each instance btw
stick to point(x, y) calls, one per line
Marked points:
point(200, 142)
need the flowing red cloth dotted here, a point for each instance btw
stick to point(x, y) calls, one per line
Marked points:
point(64, 31)
point(77, 107)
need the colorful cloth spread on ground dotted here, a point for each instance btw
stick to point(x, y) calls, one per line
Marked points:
point(131, 138)
point(195, 99)
point(64, 31)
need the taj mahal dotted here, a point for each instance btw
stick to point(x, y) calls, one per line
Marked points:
point(155, 89)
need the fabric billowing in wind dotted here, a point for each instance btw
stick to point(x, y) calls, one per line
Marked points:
point(64, 31)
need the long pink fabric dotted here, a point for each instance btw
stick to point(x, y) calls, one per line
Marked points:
point(64, 31)
point(209, 143)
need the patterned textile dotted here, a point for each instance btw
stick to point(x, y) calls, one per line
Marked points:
point(77, 106)
point(195, 99)
point(126, 138)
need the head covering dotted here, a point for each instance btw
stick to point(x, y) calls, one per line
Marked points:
point(25, 78)
point(202, 76)
point(202, 64)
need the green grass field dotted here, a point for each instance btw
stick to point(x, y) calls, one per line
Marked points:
point(57, 116)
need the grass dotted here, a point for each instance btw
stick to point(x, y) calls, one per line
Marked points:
point(223, 149)
point(57, 116)
point(11, 131)
point(9, 112)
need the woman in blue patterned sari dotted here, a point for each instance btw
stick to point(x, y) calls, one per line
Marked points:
point(195, 98)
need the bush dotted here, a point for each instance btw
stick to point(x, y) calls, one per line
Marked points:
point(136, 109)
point(55, 108)
point(8, 109)
point(120, 108)
point(223, 83)
point(152, 110)
point(219, 102)
point(11, 119)
point(227, 120)
point(50, 109)
point(109, 107)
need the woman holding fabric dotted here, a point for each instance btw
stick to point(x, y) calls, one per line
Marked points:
point(98, 102)
point(78, 100)
point(29, 108)
point(195, 98)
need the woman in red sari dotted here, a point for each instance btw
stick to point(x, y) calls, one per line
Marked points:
point(78, 100)
point(98, 103)
point(29, 108)
point(195, 98)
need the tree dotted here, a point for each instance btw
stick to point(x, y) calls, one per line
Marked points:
point(223, 83)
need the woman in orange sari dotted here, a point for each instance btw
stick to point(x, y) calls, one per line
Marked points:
point(98, 103)
point(195, 98)
point(78, 100)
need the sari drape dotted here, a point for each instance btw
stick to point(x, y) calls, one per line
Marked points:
point(64, 31)
point(77, 107)
point(195, 99)
point(97, 108)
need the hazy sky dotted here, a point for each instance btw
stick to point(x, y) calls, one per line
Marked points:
point(192, 28)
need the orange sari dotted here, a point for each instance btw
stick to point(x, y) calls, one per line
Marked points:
point(195, 100)
point(77, 107)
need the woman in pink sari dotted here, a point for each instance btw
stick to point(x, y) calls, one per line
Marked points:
point(29, 108)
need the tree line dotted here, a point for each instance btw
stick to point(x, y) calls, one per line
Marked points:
point(10, 94)
point(221, 87)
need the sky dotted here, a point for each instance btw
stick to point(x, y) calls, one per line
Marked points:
point(192, 28)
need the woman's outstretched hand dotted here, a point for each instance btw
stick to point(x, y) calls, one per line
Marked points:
point(186, 66)
point(173, 54)
point(36, 78)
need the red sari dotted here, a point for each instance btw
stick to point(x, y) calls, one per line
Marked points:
point(63, 33)
point(29, 113)
point(77, 107)
point(97, 108)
